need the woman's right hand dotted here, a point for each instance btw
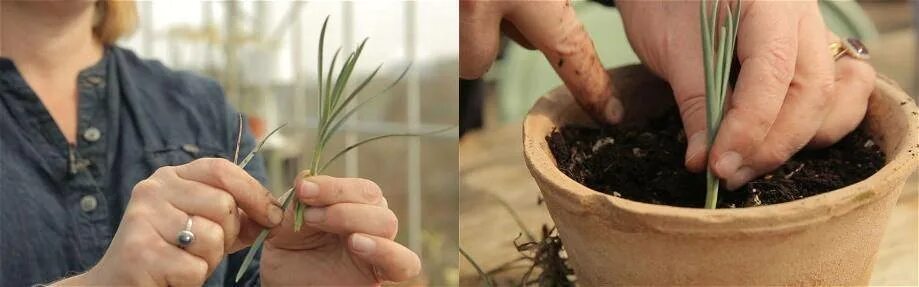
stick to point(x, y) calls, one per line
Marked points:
point(223, 201)
point(790, 92)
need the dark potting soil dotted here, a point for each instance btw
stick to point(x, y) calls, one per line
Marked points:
point(644, 162)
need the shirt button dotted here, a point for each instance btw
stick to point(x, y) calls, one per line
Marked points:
point(92, 134)
point(88, 203)
point(191, 148)
point(95, 80)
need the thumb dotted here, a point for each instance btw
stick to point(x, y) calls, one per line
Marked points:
point(689, 92)
point(479, 36)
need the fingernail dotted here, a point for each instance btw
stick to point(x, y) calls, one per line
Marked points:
point(613, 111)
point(314, 215)
point(728, 164)
point(275, 214)
point(741, 177)
point(696, 146)
point(308, 189)
point(362, 244)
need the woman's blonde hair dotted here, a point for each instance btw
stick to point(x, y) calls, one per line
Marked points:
point(114, 19)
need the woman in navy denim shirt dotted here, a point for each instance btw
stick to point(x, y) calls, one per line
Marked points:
point(101, 177)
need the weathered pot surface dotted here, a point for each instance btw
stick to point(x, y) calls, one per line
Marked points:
point(828, 239)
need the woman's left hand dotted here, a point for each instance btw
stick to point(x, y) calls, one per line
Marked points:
point(346, 238)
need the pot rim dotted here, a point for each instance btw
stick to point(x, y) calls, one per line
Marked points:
point(782, 217)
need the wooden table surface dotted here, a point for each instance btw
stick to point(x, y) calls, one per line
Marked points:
point(491, 164)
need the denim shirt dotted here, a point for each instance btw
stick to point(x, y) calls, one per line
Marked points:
point(61, 203)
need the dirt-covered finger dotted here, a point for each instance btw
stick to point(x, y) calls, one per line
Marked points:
point(554, 29)
point(248, 192)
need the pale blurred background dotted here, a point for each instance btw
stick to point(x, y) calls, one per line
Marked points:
point(492, 162)
point(264, 54)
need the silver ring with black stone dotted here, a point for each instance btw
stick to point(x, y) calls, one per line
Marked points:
point(185, 237)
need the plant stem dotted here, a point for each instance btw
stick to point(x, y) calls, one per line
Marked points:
point(717, 56)
point(299, 207)
point(711, 196)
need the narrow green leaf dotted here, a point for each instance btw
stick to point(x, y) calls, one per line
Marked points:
point(344, 118)
point(372, 139)
point(325, 100)
point(239, 138)
point(348, 115)
point(728, 60)
point(704, 23)
point(736, 18)
point(707, 63)
point(343, 105)
point(477, 268)
point(721, 57)
point(258, 147)
point(714, 25)
point(262, 236)
point(319, 70)
point(711, 195)
point(355, 92)
point(332, 88)
point(401, 75)
point(362, 85)
point(251, 254)
point(298, 217)
point(346, 74)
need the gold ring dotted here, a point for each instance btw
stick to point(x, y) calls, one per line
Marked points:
point(849, 47)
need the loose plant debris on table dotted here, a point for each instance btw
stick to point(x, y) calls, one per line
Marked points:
point(644, 162)
point(545, 257)
point(549, 256)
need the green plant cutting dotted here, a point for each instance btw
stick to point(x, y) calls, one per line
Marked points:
point(717, 65)
point(333, 111)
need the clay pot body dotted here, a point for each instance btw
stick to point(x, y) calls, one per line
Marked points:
point(828, 239)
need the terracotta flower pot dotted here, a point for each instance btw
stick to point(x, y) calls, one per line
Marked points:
point(828, 239)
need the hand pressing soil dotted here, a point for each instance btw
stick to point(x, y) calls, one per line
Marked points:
point(644, 162)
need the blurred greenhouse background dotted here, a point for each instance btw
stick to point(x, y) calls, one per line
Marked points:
point(265, 53)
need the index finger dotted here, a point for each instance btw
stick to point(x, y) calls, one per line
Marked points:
point(249, 194)
point(325, 190)
point(553, 28)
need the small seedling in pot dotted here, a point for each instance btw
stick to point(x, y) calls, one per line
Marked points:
point(333, 110)
point(717, 64)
